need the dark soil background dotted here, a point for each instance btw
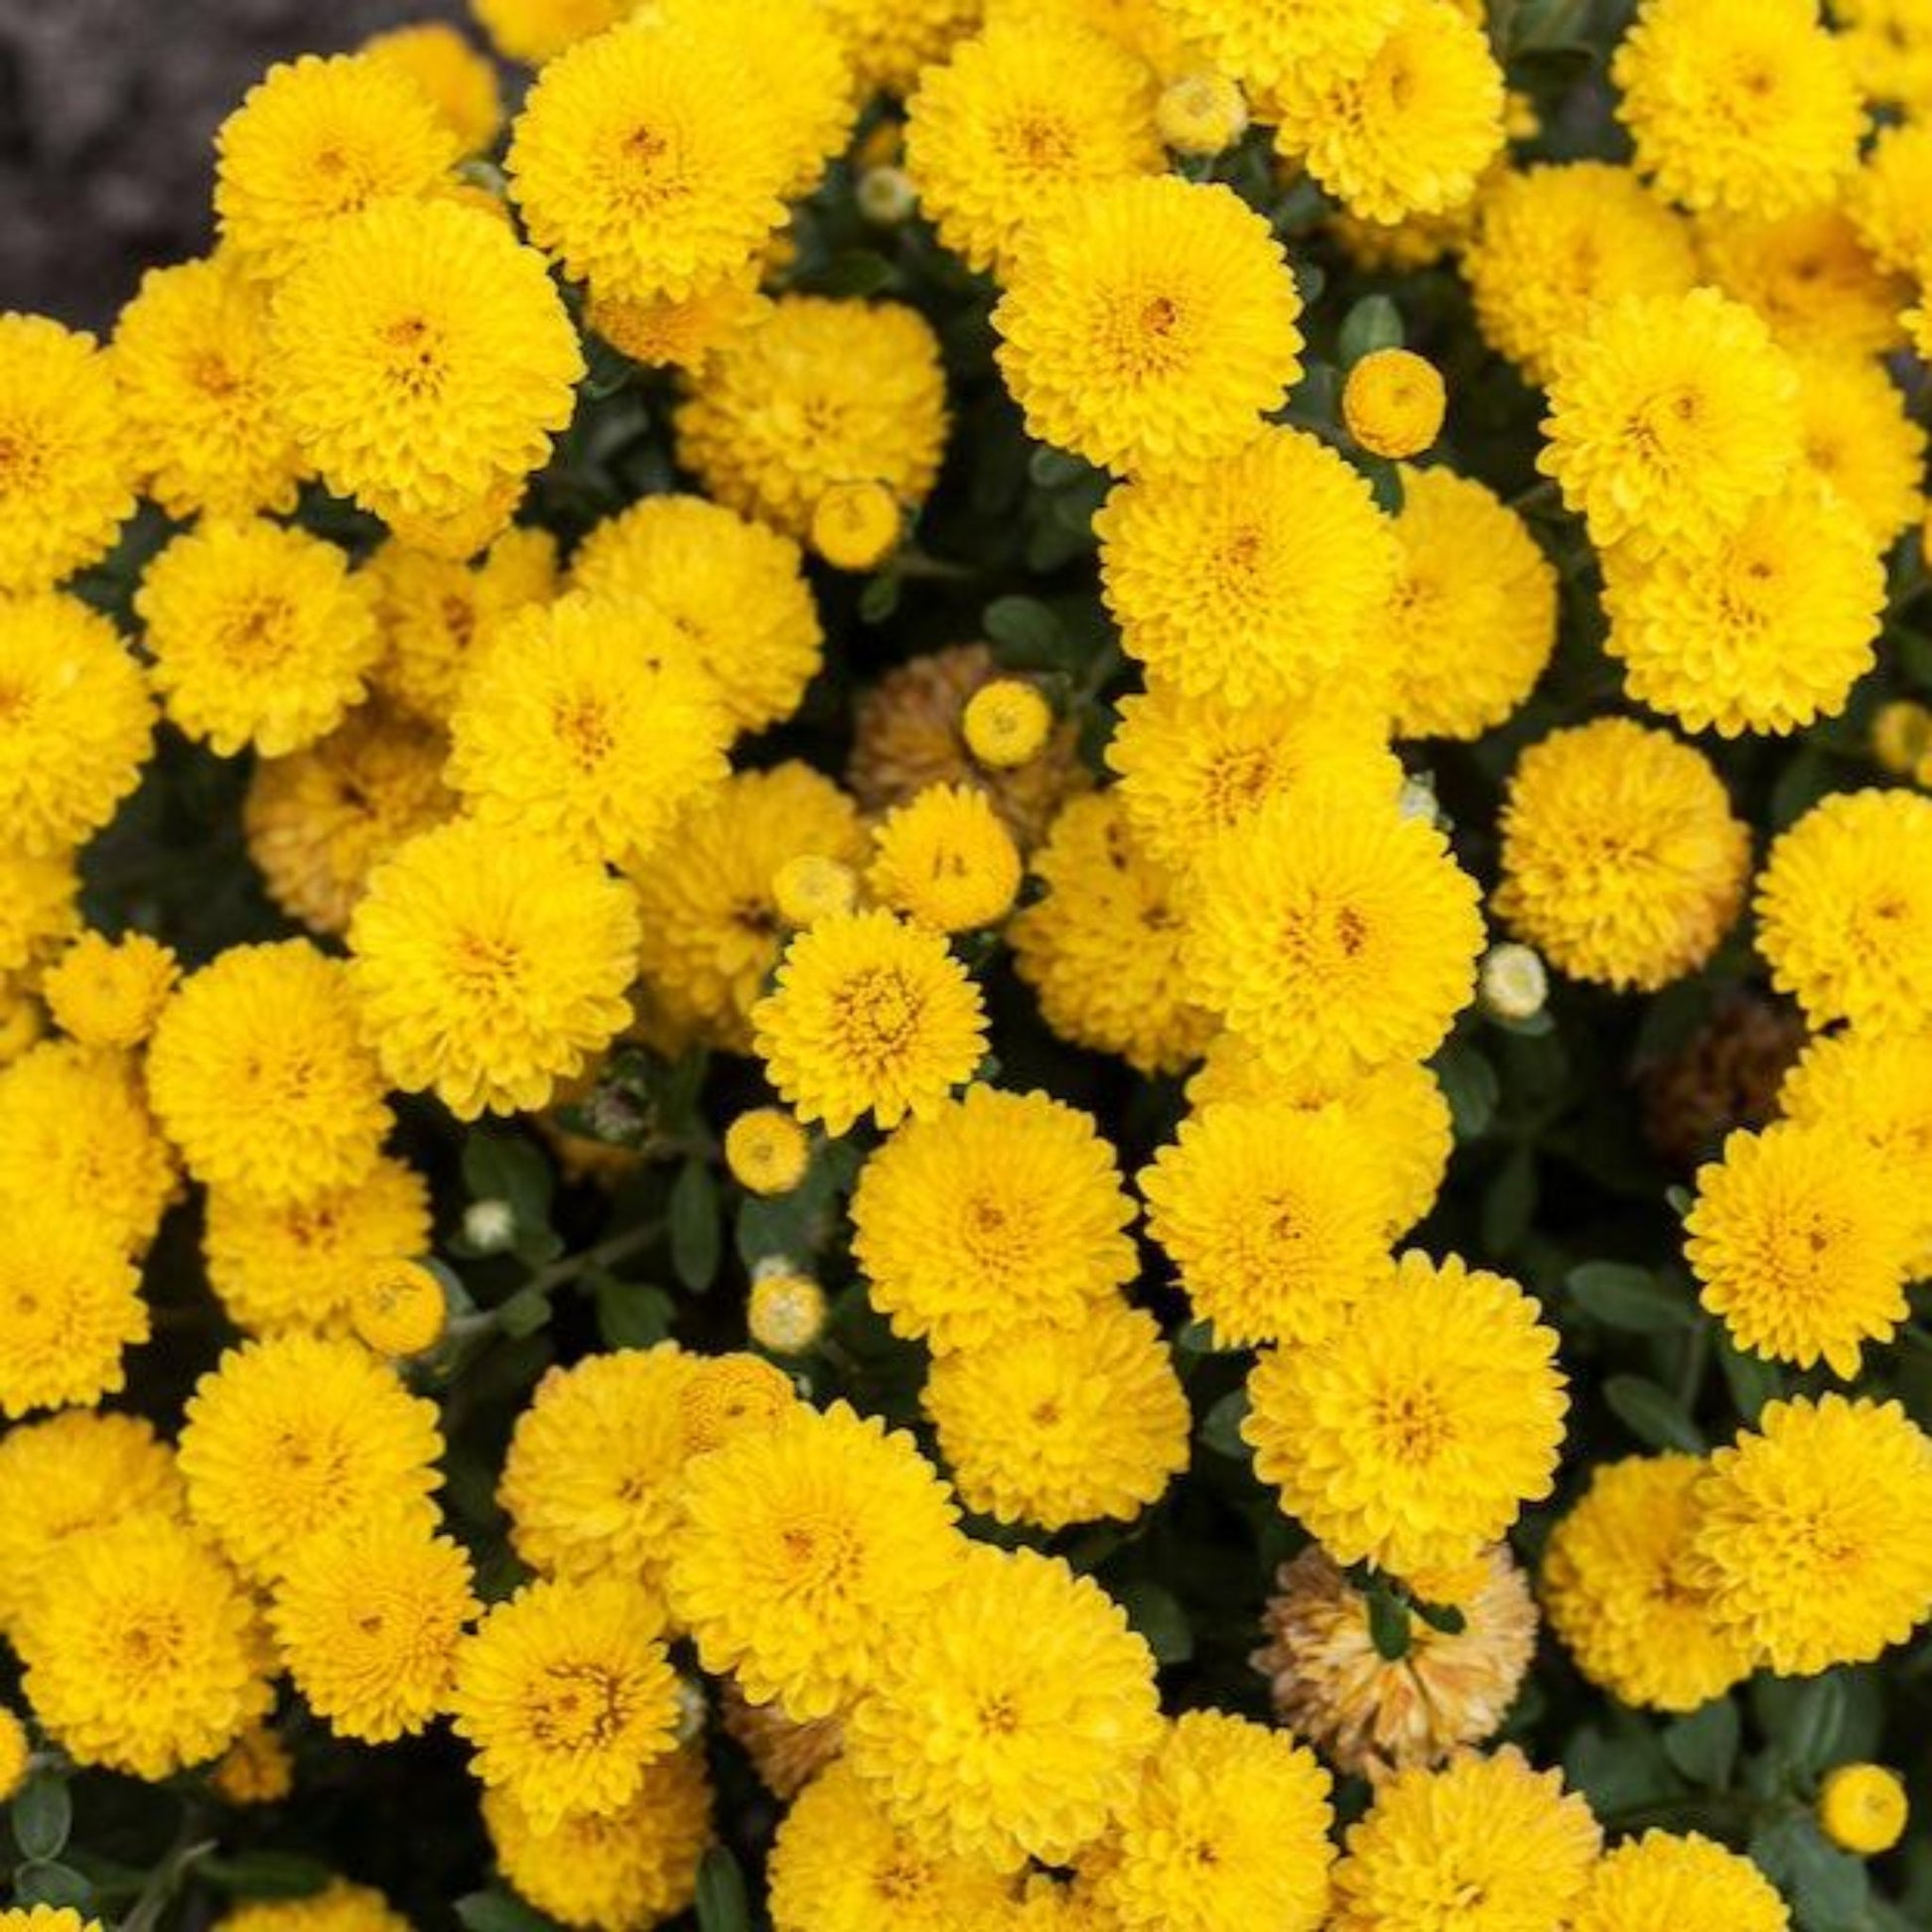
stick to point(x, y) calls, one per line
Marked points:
point(107, 108)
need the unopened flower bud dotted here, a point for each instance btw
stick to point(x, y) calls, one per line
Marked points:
point(1201, 113)
point(489, 1227)
point(1512, 982)
point(786, 1313)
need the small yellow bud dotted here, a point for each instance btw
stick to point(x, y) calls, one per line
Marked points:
point(766, 1151)
point(1862, 1808)
point(399, 1309)
point(1007, 722)
point(1393, 403)
point(1201, 113)
point(1902, 737)
point(258, 1769)
point(886, 196)
point(810, 889)
point(16, 1754)
point(1512, 982)
point(856, 525)
point(786, 1313)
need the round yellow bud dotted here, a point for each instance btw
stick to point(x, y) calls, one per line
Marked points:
point(399, 1309)
point(1201, 113)
point(1902, 737)
point(886, 196)
point(1393, 403)
point(787, 1312)
point(766, 1151)
point(1512, 982)
point(856, 525)
point(1862, 1808)
point(811, 889)
point(256, 1769)
point(16, 1754)
point(1007, 722)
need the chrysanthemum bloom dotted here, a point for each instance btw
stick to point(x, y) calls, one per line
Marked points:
point(1275, 1219)
point(1011, 1717)
point(1763, 629)
point(998, 1212)
point(1886, 198)
point(106, 992)
point(256, 1769)
point(398, 1307)
point(68, 462)
point(815, 393)
point(70, 1305)
point(260, 636)
point(1860, 440)
point(1621, 860)
point(1744, 105)
point(1473, 617)
point(1888, 43)
point(869, 1014)
point(1811, 277)
point(1808, 1540)
point(1262, 43)
point(75, 1135)
point(67, 1476)
point(1393, 403)
point(1150, 323)
point(1054, 1425)
point(728, 1396)
point(1102, 948)
point(1255, 575)
point(367, 1618)
point(661, 333)
point(1669, 418)
point(946, 860)
point(637, 1866)
point(458, 81)
point(1368, 1714)
point(489, 965)
point(535, 31)
point(319, 820)
point(1229, 1827)
point(1488, 1829)
point(1616, 1586)
point(857, 527)
point(296, 1264)
point(1007, 722)
point(890, 42)
point(1844, 911)
point(1862, 1808)
point(259, 1074)
point(144, 1652)
point(337, 1907)
point(423, 358)
point(291, 1437)
point(1415, 1434)
point(842, 1865)
point(1687, 1884)
point(1333, 941)
point(37, 911)
point(1411, 132)
point(734, 589)
point(191, 351)
point(1020, 117)
point(805, 1547)
point(766, 1151)
point(47, 1918)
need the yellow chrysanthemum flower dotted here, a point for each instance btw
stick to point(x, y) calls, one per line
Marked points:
point(680, 335)
point(256, 1769)
point(424, 359)
point(259, 1073)
point(1668, 419)
point(1430, 1416)
point(1279, 545)
point(535, 31)
point(489, 966)
point(806, 1548)
point(337, 1907)
point(39, 913)
point(733, 589)
point(69, 1307)
point(1862, 1808)
point(1811, 277)
point(457, 81)
point(1393, 403)
point(1887, 197)
point(1021, 116)
point(1229, 1827)
point(106, 992)
point(946, 860)
point(1687, 1884)
point(814, 393)
point(1202, 113)
point(1150, 323)
point(1844, 911)
point(1262, 43)
point(1012, 1716)
point(1007, 722)
point(998, 1211)
point(398, 1307)
point(730, 1396)
point(889, 43)
point(47, 1918)
point(1807, 1538)
point(766, 1150)
point(1860, 438)
point(1743, 106)
point(289, 1437)
point(857, 527)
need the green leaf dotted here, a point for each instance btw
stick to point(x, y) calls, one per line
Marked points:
point(1704, 1744)
point(633, 1315)
point(1220, 1429)
point(1622, 1296)
point(1384, 483)
point(1445, 1618)
point(1156, 1614)
point(1026, 635)
point(1652, 1415)
point(1829, 1888)
point(1470, 1087)
point(523, 1314)
point(1373, 323)
point(1388, 1624)
point(499, 1911)
point(856, 272)
point(44, 1882)
point(879, 599)
point(1509, 1205)
point(500, 1166)
point(1805, 1720)
point(696, 1241)
point(722, 1903)
point(267, 1875)
point(41, 1818)
point(1751, 1381)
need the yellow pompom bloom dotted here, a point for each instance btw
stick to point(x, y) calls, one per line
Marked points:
point(1055, 1425)
point(260, 1075)
point(609, 1872)
point(38, 909)
point(191, 351)
point(1279, 545)
point(1687, 1884)
point(1150, 323)
point(398, 1307)
point(1811, 277)
point(106, 992)
point(661, 333)
point(1887, 197)
point(424, 358)
point(15, 1752)
point(1488, 1829)
point(766, 1151)
point(456, 79)
point(1102, 948)
point(1669, 419)
point(1229, 1827)
point(289, 1437)
point(726, 1397)
point(998, 1212)
point(946, 860)
point(1844, 911)
point(67, 465)
point(812, 886)
point(260, 636)
point(455, 535)
point(1621, 860)
point(489, 966)
point(1275, 1219)
point(1262, 43)
point(1744, 105)
point(567, 1695)
point(805, 1551)
point(1860, 438)
point(857, 525)
point(316, 139)
point(1862, 1808)
point(814, 394)
point(1007, 722)
point(256, 1769)
point(1427, 1418)
point(785, 1312)
point(1393, 403)
point(1413, 131)
point(69, 1307)
point(890, 42)
point(337, 1907)
point(535, 31)
point(47, 1918)
point(1018, 120)
point(1201, 113)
